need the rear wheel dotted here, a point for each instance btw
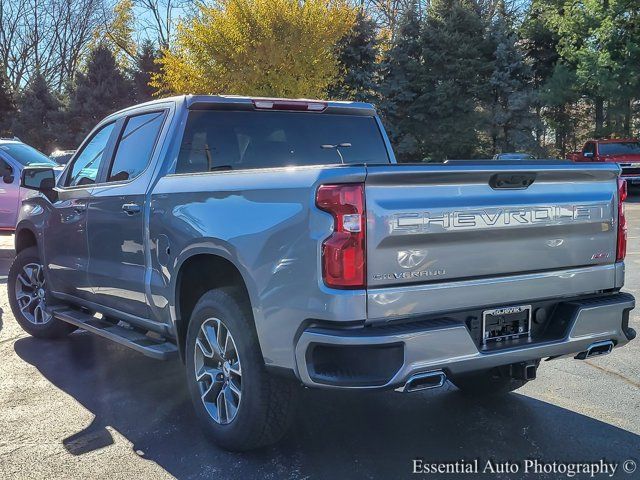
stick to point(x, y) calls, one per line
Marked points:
point(27, 291)
point(240, 406)
point(486, 383)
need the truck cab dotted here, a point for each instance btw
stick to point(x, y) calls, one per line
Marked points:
point(624, 152)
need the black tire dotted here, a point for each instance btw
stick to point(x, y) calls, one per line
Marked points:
point(49, 329)
point(266, 407)
point(486, 383)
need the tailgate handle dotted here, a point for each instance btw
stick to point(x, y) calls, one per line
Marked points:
point(512, 181)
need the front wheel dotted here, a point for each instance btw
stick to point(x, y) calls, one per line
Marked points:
point(27, 292)
point(240, 406)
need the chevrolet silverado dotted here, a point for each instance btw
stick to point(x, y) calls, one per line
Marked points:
point(269, 243)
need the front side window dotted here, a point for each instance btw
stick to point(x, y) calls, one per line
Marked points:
point(5, 168)
point(590, 148)
point(135, 147)
point(84, 170)
point(228, 140)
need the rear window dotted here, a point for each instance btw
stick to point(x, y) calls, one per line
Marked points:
point(230, 140)
point(621, 148)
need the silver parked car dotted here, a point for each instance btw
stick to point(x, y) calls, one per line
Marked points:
point(14, 156)
point(62, 156)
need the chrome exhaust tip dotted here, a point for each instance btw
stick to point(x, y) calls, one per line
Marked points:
point(423, 381)
point(596, 349)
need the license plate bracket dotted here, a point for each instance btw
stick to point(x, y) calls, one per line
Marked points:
point(506, 323)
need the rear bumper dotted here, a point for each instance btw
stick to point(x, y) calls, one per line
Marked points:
point(394, 353)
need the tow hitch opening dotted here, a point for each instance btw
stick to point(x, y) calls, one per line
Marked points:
point(525, 370)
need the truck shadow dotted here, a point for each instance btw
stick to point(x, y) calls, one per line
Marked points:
point(335, 434)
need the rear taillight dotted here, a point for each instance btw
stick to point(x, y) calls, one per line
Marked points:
point(621, 250)
point(344, 252)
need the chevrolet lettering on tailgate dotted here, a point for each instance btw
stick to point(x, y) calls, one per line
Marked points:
point(499, 217)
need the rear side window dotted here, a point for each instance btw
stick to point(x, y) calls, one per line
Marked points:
point(620, 148)
point(84, 170)
point(227, 140)
point(135, 147)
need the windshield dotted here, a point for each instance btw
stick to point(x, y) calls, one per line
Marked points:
point(26, 155)
point(223, 140)
point(620, 148)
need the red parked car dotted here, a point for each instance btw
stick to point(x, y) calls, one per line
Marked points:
point(624, 151)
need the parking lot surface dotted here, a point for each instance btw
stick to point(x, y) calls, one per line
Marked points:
point(86, 408)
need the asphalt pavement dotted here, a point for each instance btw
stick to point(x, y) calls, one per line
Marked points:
point(85, 408)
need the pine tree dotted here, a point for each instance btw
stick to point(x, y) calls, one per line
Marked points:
point(37, 113)
point(457, 65)
point(399, 87)
point(98, 92)
point(145, 68)
point(7, 107)
point(357, 54)
point(559, 94)
point(540, 46)
point(511, 120)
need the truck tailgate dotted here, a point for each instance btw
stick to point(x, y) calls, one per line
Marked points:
point(435, 224)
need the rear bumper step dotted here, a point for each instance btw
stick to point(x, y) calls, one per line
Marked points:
point(424, 354)
point(158, 349)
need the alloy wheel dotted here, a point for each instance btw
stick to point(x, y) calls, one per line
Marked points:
point(31, 294)
point(218, 371)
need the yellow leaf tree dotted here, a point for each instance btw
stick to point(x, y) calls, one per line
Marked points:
point(280, 48)
point(117, 34)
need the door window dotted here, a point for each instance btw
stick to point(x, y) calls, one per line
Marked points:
point(84, 170)
point(135, 147)
point(5, 169)
point(590, 148)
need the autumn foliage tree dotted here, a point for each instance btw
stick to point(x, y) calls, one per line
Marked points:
point(283, 48)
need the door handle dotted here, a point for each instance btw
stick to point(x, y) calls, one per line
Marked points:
point(80, 207)
point(131, 208)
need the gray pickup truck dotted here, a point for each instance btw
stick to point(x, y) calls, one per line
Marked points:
point(270, 243)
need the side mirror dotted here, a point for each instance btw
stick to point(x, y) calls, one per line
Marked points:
point(587, 154)
point(42, 180)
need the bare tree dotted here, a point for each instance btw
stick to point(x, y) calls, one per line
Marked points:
point(388, 13)
point(49, 36)
point(159, 18)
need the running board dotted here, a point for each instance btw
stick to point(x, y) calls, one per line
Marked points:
point(158, 349)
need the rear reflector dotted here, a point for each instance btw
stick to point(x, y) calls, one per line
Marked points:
point(294, 105)
point(343, 253)
point(621, 250)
